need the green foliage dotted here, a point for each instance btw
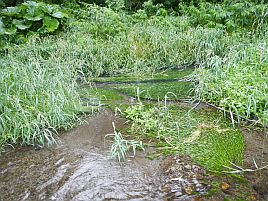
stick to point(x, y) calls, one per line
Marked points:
point(203, 135)
point(31, 16)
point(232, 15)
point(101, 22)
point(150, 9)
point(241, 87)
point(38, 95)
point(121, 146)
point(104, 42)
point(116, 5)
point(115, 43)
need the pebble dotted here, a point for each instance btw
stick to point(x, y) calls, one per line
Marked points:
point(183, 179)
point(187, 167)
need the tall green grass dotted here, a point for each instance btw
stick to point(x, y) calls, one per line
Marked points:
point(240, 83)
point(232, 65)
point(38, 93)
point(128, 44)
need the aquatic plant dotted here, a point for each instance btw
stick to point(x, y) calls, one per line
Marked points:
point(121, 147)
point(205, 136)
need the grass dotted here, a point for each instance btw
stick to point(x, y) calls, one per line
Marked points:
point(204, 135)
point(38, 79)
point(121, 147)
point(241, 87)
point(38, 96)
point(129, 45)
point(123, 45)
point(155, 76)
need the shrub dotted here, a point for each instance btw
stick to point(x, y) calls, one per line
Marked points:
point(232, 15)
point(31, 16)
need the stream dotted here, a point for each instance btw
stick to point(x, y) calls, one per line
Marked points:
point(78, 168)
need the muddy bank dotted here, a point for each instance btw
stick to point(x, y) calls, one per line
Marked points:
point(257, 150)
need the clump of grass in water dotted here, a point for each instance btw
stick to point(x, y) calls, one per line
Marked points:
point(206, 137)
point(121, 147)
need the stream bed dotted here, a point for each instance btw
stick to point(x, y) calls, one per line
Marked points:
point(78, 167)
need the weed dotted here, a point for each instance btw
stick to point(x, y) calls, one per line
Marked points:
point(205, 136)
point(38, 96)
point(121, 147)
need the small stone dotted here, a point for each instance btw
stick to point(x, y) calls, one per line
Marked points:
point(253, 198)
point(187, 167)
point(225, 186)
point(188, 190)
point(166, 189)
point(178, 194)
point(3, 171)
point(199, 198)
point(195, 181)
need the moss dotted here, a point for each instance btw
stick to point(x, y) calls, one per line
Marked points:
point(162, 75)
point(100, 94)
point(216, 149)
point(155, 91)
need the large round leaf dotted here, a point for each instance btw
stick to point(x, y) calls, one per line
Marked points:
point(34, 18)
point(58, 14)
point(47, 8)
point(51, 24)
point(11, 11)
point(21, 24)
point(34, 12)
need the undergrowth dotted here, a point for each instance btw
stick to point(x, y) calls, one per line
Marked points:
point(38, 78)
point(205, 136)
point(38, 95)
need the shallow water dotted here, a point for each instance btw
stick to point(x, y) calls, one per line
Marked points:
point(78, 169)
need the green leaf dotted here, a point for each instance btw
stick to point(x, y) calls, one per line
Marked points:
point(21, 24)
point(11, 11)
point(34, 18)
point(34, 12)
point(50, 24)
point(47, 8)
point(2, 28)
point(11, 30)
point(58, 14)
